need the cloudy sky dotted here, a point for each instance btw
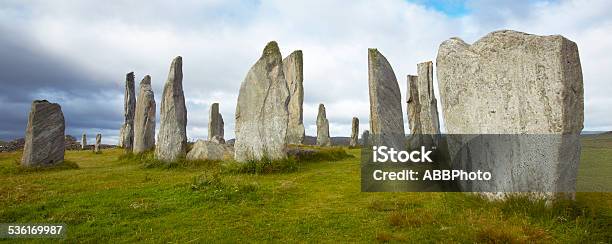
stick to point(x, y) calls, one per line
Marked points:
point(77, 53)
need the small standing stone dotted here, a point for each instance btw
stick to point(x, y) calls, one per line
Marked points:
point(83, 141)
point(354, 132)
point(98, 143)
point(44, 140)
point(386, 118)
point(215, 122)
point(422, 108)
point(365, 138)
point(172, 137)
point(144, 120)
point(323, 138)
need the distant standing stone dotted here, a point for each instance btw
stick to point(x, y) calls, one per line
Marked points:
point(323, 138)
point(215, 122)
point(293, 67)
point(172, 137)
point(513, 83)
point(144, 120)
point(83, 141)
point(98, 143)
point(126, 134)
point(44, 139)
point(261, 112)
point(365, 138)
point(354, 132)
point(386, 118)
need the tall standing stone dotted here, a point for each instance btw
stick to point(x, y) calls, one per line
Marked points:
point(83, 141)
point(354, 132)
point(323, 138)
point(293, 68)
point(144, 119)
point(261, 113)
point(98, 143)
point(126, 134)
point(44, 137)
point(215, 122)
point(422, 107)
point(386, 118)
point(514, 83)
point(172, 137)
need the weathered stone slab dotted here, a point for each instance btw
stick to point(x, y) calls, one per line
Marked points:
point(144, 119)
point(323, 138)
point(44, 140)
point(261, 112)
point(293, 68)
point(172, 136)
point(126, 134)
point(354, 132)
point(386, 117)
point(206, 150)
point(514, 83)
point(215, 122)
point(98, 143)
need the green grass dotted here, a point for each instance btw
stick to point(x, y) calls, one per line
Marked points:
point(108, 200)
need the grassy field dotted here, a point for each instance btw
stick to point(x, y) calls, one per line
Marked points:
point(107, 199)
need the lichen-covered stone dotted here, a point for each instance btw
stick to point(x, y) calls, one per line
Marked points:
point(44, 137)
point(172, 136)
point(323, 138)
point(354, 132)
point(365, 138)
point(215, 122)
point(126, 133)
point(261, 112)
point(144, 119)
point(386, 117)
point(510, 82)
point(294, 74)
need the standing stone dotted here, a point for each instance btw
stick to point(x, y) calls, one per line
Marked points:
point(527, 86)
point(365, 138)
point(261, 113)
point(144, 119)
point(354, 132)
point(386, 118)
point(422, 108)
point(172, 137)
point(215, 122)
point(126, 134)
point(98, 142)
point(294, 74)
point(323, 128)
point(44, 139)
point(83, 141)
